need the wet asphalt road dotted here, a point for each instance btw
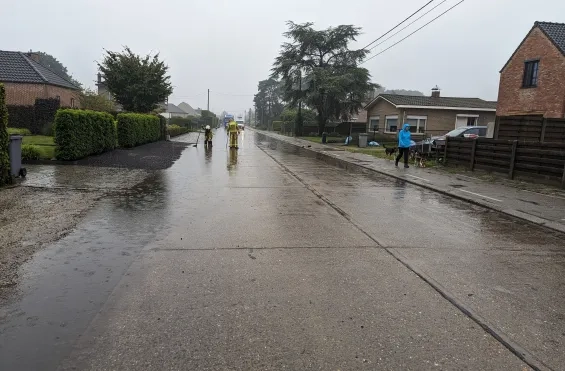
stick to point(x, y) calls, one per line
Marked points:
point(267, 259)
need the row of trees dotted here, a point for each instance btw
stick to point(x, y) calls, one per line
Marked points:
point(316, 70)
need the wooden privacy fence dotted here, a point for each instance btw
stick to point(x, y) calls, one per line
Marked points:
point(531, 159)
point(530, 129)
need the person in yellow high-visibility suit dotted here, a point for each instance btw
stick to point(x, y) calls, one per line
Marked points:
point(233, 132)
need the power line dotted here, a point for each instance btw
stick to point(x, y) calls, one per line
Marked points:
point(408, 25)
point(188, 96)
point(401, 40)
point(392, 29)
point(233, 95)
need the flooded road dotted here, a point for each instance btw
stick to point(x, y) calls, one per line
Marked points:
point(265, 258)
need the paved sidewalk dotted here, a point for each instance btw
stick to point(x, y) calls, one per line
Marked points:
point(535, 203)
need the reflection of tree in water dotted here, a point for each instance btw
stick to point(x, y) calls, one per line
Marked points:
point(232, 160)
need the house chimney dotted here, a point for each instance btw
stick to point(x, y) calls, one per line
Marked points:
point(435, 92)
point(33, 56)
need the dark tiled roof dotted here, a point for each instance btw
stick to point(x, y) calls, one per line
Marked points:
point(423, 101)
point(18, 67)
point(555, 32)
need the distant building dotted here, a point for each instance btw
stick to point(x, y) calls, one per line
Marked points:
point(170, 110)
point(26, 80)
point(188, 109)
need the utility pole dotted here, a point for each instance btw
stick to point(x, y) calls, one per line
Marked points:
point(208, 100)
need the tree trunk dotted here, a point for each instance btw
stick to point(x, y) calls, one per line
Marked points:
point(299, 122)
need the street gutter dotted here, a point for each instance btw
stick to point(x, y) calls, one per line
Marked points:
point(335, 160)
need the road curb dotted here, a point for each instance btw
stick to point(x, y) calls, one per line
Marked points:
point(346, 164)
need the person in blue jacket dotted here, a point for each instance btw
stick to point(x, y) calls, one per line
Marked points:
point(404, 140)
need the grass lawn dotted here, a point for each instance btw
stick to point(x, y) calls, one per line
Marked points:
point(380, 153)
point(313, 139)
point(45, 145)
point(373, 151)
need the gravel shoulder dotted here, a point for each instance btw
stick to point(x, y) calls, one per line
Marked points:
point(31, 218)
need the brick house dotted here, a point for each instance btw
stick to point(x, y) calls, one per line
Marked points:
point(532, 82)
point(427, 116)
point(26, 80)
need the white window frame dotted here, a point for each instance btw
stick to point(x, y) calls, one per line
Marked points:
point(467, 116)
point(387, 117)
point(414, 117)
point(378, 118)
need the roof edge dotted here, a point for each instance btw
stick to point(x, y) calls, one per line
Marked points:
point(447, 108)
point(371, 103)
point(536, 25)
point(549, 37)
point(27, 59)
point(31, 62)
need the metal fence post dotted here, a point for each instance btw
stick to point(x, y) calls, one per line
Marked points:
point(473, 151)
point(513, 159)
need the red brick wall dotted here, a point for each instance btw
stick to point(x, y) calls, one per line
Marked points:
point(548, 98)
point(25, 94)
point(65, 95)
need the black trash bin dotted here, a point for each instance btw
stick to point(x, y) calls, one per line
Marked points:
point(15, 153)
point(324, 138)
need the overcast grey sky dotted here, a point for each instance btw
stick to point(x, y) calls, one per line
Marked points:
point(229, 45)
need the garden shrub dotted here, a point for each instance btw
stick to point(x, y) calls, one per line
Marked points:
point(175, 130)
point(19, 131)
point(82, 133)
point(136, 128)
point(30, 152)
point(5, 176)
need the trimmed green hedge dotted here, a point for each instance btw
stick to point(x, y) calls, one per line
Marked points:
point(83, 133)
point(175, 130)
point(5, 176)
point(19, 131)
point(136, 128)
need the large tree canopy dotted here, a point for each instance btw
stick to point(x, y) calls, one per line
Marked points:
point(319, 69)
point(138, 83)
